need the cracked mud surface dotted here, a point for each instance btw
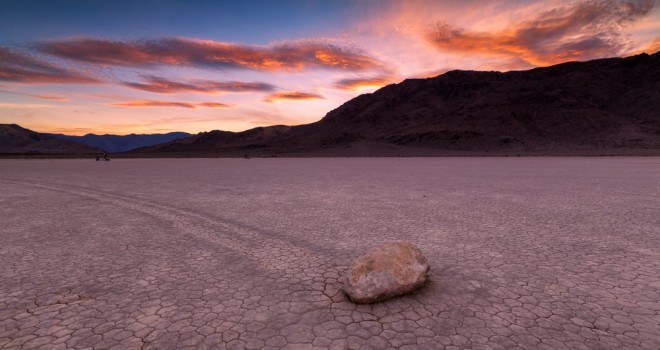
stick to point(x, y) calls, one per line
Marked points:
point(526, 253)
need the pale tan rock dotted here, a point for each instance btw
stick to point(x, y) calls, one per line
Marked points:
point(395, 268)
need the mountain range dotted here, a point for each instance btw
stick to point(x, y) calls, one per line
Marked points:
point(601, 107)
point(605, 106)
point(122, 143)
point(17, 140)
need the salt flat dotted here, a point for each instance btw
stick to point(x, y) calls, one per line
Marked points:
point(213, 253)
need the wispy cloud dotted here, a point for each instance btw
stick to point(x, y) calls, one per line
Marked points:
point(165, 86)
point(21, 68)
point(430, 74)
point(72, 131)
point(155, 103)
point(213, 105)
point(41, 97)
point(366, 82)
point(26, 105)
point(650, 48)
point(292, 95)
point(50, 98)
point(289, 56)
point(583, 30)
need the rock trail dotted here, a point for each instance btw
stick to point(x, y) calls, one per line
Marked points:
point(82, 267)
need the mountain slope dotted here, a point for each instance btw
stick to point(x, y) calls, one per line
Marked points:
point(123, 143)
point(606, 106)
point(17, 140)
point(215, 140)
point(609, 103)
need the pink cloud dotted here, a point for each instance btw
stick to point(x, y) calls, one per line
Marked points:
point(292, 95)
point(41, 97)
point(583, 30)
point(293, 56)
point(161, 85)
point(155, 103)
point(650, 48)
point(22, 68)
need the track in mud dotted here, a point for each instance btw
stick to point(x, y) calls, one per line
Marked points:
point(249, 254)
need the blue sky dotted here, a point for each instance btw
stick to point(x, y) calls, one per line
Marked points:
point(254, 22)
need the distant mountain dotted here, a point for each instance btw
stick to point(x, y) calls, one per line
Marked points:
point(122, 143)
point(17, 140)
point(605, 106)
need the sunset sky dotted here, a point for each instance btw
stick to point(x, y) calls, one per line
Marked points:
point(121, 67)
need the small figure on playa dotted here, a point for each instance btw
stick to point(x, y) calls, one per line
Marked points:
point(105, 157)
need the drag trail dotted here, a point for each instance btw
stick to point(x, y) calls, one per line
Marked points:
point(213, 253)
point(266, 249)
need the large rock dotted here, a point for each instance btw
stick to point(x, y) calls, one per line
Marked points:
point(395, 268)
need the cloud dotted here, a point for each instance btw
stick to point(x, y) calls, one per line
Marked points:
point(213, 105)
point(161, 85)
point(42, 97)
point(581, 31)
point(292, 95)
point(154, 103)
point(430, 74)
point(22, 68)
point(72, 131)
point(26, 105)
point(289, 56)
point(50, 97)
point(650, 48)
point(367, 82)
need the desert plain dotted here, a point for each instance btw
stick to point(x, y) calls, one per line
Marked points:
point(531, 253)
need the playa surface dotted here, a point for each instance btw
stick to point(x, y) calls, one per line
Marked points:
point(213, 253)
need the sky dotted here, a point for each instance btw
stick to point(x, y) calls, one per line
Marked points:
point(155, 66)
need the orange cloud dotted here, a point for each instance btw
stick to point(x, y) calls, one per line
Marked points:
point(359, 83)
point(650, 48)
point(293, 56)
point(21, 68)
point(51, 98)
point(72, 131)
point(581, 31)
point(292, 95)
point(213, 105)
point(154, 103)
point(160, 85)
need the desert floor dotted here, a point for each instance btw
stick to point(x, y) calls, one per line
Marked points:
point(213, 253)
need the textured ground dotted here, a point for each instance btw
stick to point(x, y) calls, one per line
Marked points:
point(213, 253)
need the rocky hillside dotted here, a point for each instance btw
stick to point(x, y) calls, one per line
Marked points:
point(606, 106)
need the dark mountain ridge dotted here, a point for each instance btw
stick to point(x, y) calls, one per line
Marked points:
point(17, 140)
point(123, 143)
point(605, 106)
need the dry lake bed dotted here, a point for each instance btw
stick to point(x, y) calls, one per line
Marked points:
point(526, 253)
